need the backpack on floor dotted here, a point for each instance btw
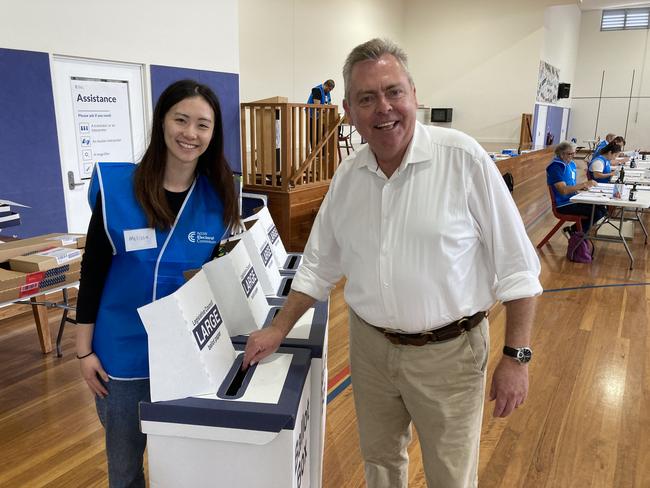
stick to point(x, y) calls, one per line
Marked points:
point(580, 250)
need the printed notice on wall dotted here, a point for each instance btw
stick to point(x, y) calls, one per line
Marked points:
point(102, 122)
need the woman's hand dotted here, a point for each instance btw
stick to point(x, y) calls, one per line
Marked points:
point(588, 184)
point(92, 371)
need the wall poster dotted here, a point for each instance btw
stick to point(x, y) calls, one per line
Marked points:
point(547, 83)
point(102, 122)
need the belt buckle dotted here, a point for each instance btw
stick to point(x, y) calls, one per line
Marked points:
point(460, 324)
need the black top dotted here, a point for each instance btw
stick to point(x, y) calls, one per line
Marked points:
point(98, 256)
point(315, 93)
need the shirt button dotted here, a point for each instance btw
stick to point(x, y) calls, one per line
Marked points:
point(385, 285)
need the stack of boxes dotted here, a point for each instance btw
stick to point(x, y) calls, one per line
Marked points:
point(7, 217)
point(30, 266)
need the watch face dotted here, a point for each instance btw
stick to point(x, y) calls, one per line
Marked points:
point(524, 354)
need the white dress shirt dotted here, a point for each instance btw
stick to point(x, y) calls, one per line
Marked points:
point(440, 240)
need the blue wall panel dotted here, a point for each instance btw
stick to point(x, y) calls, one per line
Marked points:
point(30, 168)
point(225, 85)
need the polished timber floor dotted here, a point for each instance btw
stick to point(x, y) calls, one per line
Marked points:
point(586, 421)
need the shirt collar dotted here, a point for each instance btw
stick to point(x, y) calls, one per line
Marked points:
point(418, 151)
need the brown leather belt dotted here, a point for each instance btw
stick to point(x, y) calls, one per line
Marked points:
point(449, 331)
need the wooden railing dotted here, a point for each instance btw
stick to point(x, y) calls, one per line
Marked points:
point(288, 145)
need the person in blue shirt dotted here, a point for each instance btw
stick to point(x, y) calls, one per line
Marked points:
point(600, 167)
point(320, 95)
point(601, 144)
point(561, 176)
point(141, 237)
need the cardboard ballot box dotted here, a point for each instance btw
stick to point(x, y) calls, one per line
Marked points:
point(256, 435)
point(45, 260)
point(310, 332)
point(286, 262)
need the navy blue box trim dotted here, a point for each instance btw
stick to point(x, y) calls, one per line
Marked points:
point(316, 335)
point(237, 414)
point(292, 262)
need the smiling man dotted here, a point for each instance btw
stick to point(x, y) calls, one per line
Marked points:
point(422, 226)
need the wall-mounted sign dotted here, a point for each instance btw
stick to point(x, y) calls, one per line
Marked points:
point(102, 122)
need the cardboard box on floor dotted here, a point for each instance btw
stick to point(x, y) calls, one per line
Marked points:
point(45, 260)
point(21, 247)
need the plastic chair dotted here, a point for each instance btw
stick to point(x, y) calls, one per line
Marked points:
point(563, 218)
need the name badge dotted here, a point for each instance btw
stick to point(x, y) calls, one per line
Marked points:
point(138, 239)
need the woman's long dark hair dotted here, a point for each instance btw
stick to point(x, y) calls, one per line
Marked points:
point(612, 147)
point(149, 174)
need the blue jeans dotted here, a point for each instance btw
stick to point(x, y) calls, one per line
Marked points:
point(125, 444)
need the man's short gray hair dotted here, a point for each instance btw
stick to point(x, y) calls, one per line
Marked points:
point(563, 147)
point(373, 49)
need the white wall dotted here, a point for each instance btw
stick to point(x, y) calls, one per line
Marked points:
point(481, 59)
point(560, 45)
point(190, 34)
point(289, 46)
point(622, 56)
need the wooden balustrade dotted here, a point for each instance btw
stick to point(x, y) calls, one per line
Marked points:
point(289, 153)
point(286, 145)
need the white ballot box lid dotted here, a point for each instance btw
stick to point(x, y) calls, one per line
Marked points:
point(267, 402)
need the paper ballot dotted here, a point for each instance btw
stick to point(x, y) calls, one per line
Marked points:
point(190, 351)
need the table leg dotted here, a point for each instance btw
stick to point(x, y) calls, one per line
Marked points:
point(620, 233)
point(640, 219)
point(42, 327)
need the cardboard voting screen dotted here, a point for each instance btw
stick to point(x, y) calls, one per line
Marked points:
point(190, 351)
point(237, 290)
point(284, 261)
point(261, 255)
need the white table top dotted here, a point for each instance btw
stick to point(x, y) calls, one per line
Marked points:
point(74, 284)
point(602, 195)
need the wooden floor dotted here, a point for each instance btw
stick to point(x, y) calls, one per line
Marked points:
point(586, 421)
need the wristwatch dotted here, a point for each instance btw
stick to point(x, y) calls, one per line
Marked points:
point(521, 354)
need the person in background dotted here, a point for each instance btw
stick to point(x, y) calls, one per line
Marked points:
point(601, 144)
point(137, 249)
point(421, 224)
point(320, 94)
point(561, 175)
point(601, 168)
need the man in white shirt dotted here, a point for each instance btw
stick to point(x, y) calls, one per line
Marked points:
point(422, 226)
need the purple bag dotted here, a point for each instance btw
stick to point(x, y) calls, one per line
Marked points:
point(580, 250)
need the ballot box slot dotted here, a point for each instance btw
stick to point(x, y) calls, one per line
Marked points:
point(292, 261)
point(285, 288)
point(236, 381)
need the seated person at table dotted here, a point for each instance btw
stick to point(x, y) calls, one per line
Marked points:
point(561, 176)
point(601, 144)
point(600, 167)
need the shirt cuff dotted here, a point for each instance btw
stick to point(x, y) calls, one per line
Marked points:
point(305, 281)
point(519, 285)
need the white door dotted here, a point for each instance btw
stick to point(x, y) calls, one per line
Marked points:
point(101, 115)
point(540, 127)
point(565, 124)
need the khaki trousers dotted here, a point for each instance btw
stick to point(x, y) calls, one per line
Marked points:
point(439, 387)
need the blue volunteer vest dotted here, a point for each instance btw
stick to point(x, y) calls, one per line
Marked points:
point(607, 168)
point(138, 277)
point(599, 148)
point(568, 176)
point(324, 98)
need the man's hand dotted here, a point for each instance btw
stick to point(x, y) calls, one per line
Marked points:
point(260, 344)
point(509, 386)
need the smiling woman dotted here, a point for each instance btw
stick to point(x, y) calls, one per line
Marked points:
point(150, 222)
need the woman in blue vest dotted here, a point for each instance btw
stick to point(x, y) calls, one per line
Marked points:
point(600, 167)
point(150, 222)
point(561, 176)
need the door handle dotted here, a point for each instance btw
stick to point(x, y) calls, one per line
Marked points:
point(71, 183)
